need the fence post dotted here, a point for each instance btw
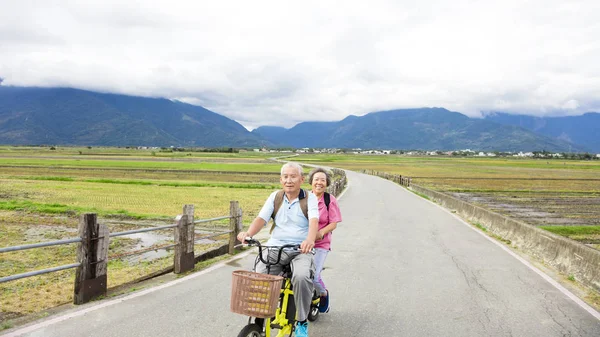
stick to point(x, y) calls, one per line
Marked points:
point(92, 254)
point(240, 224)
point(191, 233)
point(184, 238)
point(234, 225)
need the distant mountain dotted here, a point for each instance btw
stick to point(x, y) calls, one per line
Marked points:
point(425, 129)
point(583, 130)
point(30, 115)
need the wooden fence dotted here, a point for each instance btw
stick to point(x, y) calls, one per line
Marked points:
point(92, 250)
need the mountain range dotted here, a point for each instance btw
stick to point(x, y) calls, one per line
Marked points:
point(583, 129)
point(66, 116)
point(80, 117)
point(424, 128)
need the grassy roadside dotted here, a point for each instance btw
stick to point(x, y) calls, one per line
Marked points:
point(114, 291)
point(32, 295)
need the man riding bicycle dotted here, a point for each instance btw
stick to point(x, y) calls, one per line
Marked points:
point(296, 221)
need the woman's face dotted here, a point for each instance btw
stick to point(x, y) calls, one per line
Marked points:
point(319, 182)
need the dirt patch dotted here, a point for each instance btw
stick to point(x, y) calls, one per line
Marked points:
point(541, 209)
point(45, 233)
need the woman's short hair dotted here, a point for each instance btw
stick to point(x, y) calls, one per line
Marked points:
point(317, 170)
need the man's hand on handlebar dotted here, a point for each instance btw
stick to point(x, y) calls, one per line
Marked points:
point(242, 237)
point(306, 246)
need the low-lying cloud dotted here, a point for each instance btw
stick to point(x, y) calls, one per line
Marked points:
point(280, 63)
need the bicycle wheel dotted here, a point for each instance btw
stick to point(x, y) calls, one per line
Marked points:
point(251, 330)
point(313, 314)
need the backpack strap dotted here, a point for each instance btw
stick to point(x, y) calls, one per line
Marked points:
point(303, 200)
point(276, 205)
point(327, 200)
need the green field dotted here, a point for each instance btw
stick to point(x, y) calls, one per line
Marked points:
point(42, 193)
point(549, 193)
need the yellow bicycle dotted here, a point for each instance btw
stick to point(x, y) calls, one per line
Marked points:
point(255, 295)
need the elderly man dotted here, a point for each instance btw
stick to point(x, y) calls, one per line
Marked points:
point(292, 226)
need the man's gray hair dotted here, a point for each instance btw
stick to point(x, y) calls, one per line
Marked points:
point(293, 165)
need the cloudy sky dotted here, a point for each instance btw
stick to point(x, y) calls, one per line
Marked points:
point(282, 62)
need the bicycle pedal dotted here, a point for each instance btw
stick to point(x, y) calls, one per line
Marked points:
point(275, 326)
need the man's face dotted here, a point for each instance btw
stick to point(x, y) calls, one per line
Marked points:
point(291, 180)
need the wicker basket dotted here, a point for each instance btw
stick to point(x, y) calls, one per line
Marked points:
point(255, 294)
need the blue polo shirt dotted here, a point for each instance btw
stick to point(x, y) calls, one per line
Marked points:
point(291, 224)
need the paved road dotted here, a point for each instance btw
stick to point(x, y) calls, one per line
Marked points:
point(400, 266)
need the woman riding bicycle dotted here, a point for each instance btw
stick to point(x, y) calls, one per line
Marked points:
point(296, 220)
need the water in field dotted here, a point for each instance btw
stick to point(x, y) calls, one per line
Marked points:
point(149, 239)
point(146, 240)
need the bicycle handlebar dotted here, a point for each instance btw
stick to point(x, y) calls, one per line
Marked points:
point(253, 242)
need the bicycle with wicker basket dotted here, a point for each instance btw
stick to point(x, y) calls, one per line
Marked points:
point(267, 299)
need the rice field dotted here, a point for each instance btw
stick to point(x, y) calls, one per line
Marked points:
point(42, 193)
point(549, 193)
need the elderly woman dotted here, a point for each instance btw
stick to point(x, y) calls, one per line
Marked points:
point(329, 216)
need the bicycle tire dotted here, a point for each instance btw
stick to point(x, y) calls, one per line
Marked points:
point(313, 314)
point(251, 330)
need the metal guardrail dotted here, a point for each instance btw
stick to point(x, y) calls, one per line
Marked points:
point(135, 231)
point(213, 219)
point(38, 272)
point(77, 240)
point(38, 245)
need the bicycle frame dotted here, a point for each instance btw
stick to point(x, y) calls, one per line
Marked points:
point(282, 320)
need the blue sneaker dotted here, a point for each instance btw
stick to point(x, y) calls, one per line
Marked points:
point(324, 303)
point(301, 329)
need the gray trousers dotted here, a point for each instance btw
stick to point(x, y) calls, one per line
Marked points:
point(303, 270)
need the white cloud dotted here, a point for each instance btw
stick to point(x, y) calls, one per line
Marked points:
point(280, 63)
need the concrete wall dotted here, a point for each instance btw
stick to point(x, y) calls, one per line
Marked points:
point(567, 256)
